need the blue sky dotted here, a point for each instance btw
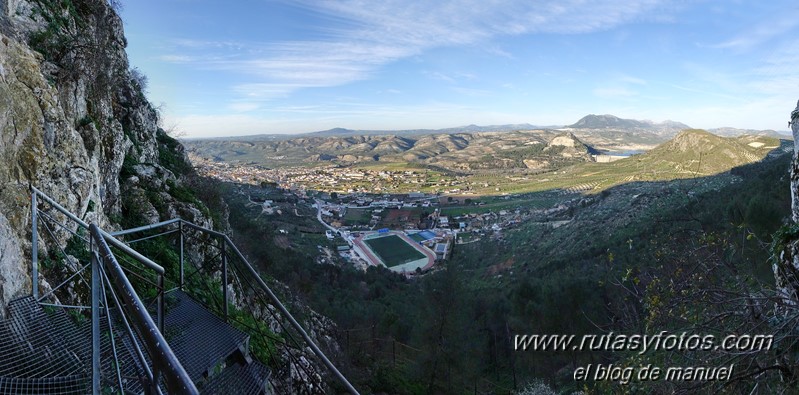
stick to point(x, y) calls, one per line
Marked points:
point(270, 66)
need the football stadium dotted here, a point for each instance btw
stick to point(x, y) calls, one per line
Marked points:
point(396, 251)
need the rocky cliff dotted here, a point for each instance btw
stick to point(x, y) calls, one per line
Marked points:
point(786, 266)
point(75, 123)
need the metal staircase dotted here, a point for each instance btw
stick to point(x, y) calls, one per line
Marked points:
point(45, 352)
point(202, 328)
point(39, 354)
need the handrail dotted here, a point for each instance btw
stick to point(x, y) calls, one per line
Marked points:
point(106, 236)
point(161, 355)
point(283, 310)
point(145, 227)
point(138, 312)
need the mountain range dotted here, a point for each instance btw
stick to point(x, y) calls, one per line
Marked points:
point(524, 150)
point(607, 125)
point(608, 121)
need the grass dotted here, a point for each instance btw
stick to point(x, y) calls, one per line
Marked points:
point(393, 250)
point(357, 216)
point(501, 204)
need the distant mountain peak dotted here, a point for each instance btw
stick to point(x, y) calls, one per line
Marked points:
point(608, 121)
point(593, 121)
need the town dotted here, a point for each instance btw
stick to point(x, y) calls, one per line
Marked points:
point(344, 179)
point(405, 232)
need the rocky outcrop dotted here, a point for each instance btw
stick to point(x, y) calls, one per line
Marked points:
point(566, 140)
point(73, 122)
point(568, 146)
point(786, 266)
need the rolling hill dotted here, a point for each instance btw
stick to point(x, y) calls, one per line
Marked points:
point(452, 151)
point(692, 153)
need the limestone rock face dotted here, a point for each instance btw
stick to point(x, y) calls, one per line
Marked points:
point(73, 119)
point(38, 146)
point(786, 267)
point(564, 141)
point(75, 124)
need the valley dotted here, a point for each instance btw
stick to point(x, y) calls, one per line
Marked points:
point(576, 247)
point(406, 260)
point(481, 164)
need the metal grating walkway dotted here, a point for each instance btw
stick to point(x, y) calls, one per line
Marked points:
point(239, 379)
point(44, 351)
point(38, 355)
point(201, 340)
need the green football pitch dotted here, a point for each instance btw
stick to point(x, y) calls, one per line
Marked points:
point(393, 250)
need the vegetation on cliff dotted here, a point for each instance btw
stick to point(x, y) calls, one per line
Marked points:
point(641, 258)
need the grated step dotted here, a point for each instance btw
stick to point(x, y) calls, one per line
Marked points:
point(38, 356)
point(247, 379)
point(45, 351)
point(201, 340)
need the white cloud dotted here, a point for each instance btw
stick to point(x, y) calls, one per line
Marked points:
point(370, 34)
point(243, 106)
point(775, 27)
point(177, 58)
point(768, 113)
point(619, 87)
point(777, 73)
point(435, 75)
point(628, 79)
point(264, 91)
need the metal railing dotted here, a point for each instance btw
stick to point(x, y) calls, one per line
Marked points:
point(35, 193)
point(238, 283)
point(163, 359)
point(110, 295)
point(236, 272)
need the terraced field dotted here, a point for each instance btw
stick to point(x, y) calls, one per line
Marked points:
point(691, 154)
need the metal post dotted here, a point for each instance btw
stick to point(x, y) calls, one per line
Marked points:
point(95, 324)
point(282, 308)
point(224, 280)
point(34, 247)
point(156, 378)
point(160, 307)
point(180, 226)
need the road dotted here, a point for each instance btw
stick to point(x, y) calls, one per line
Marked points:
point(319, 216)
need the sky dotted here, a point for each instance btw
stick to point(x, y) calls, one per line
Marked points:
point(277, 66)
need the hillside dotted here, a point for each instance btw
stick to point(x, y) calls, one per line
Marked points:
point(702, 153)
point(592, 121)
point(609, 257)
point(75, 123)
point(487, 163)
point(461, 151)
point(691, 154)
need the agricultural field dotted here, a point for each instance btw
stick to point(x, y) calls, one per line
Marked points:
point(496, 204)
point(357, 216)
